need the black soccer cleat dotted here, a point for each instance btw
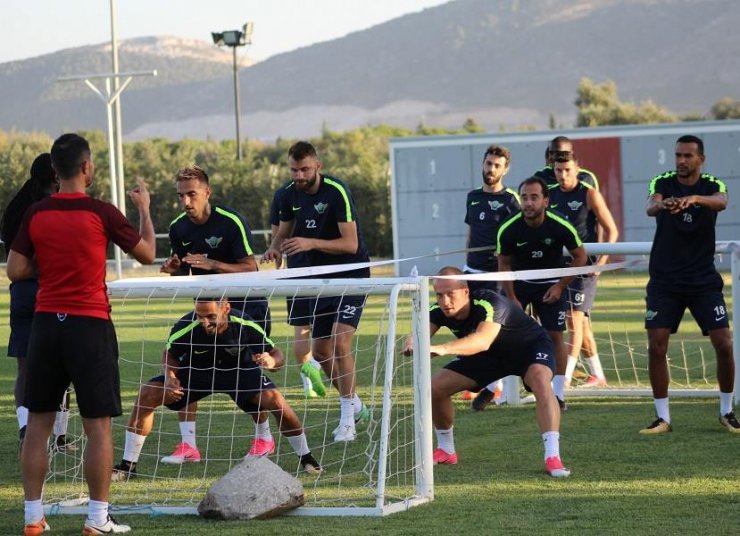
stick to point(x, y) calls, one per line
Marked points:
point(124, 471)
point(310, 465)
point(482, 400)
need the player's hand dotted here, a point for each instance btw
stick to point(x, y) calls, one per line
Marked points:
point(266, 361)
point(553, 294)
point(140, 195)
point(272, 255)
point(408, 346)
point(297, 244)
point(196, 260)
point(681, 203)
point(172, 390)
point(171, 265)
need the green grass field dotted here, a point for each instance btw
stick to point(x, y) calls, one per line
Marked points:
point(622, 483)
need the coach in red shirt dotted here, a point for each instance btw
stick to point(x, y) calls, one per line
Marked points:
point(65, 238)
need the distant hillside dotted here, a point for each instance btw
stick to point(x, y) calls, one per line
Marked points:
point(508, 62)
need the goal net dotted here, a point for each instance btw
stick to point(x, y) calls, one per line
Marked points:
point(387, 468)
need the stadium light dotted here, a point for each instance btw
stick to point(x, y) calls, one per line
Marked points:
point(234, 39)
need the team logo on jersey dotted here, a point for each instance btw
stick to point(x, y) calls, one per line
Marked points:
point(321, 207)
point(61, 317)
point(575, 205)
point(650, 315)
point(547, 241)
point(232, 351)
point(495, 205)
point(214, 241)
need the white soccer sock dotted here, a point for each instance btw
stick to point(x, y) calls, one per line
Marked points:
point(661, 408)
point(594, 366)
point(262, 430)
point(33, 510)
point(299, 444)
point(558, 386)
point(97, 512)
point(187, 432)
point(725, 403)
point(61, 421)
point(346, 405)
point(570, 367)
point(21, 412)
point(552, 444)
point(356, 405)
point(132, 447)
point(445, 440)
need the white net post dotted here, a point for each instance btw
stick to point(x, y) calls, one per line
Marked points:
point(734, 250)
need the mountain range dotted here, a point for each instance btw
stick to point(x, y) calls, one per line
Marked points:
point(505, 63)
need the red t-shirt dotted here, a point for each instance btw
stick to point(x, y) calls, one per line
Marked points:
point(69, 234)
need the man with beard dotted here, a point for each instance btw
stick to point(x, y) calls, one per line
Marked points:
point(318, 218)
point(485, 210)
point(534, 240)
point(685, 203)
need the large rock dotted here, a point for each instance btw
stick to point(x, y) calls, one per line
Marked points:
point(256, 488)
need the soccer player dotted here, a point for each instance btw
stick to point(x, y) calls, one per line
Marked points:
point(585, 208)
point(299, 316)
point(216, 349)
point(318, 218)
point(494, 338)
point(534, 239)
point(561, 144)
point(72, 338)
point(485, 209)
point(41, 184)
point(685, 203)
point(209, 239)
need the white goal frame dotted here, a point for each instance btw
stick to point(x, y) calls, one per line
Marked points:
point(240, 284)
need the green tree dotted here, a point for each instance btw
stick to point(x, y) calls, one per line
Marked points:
point(726, 108)
point(599, 104)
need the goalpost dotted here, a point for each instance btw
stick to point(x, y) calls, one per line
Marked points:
point(387, 469)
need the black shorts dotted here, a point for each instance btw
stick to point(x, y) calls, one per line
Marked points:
point(77, 349)
point(551, 315)
point(22, 304)
point(336, 310)
point(665, 307)
point(300, 311)
point(241, 384)
point(257, 308)
point(581, 293)
point(485, 367)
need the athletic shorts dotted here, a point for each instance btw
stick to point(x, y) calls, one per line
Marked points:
point(300, 311)
point(335, 310)
point(241, 384)
point(22, 304)
point(581, 293)
point(551, 315)
point(665, 308)
point(79, 349)
point(485, 367)
point(257, 309)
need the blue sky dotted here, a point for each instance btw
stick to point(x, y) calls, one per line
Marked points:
point(35, 27)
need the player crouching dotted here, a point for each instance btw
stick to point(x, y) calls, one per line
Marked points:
point(495, 338)
point(215, 350)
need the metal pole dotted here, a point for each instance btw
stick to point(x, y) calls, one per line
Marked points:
point(735, 271)
point(236, 107)
point(120, 183)
point(112, 169)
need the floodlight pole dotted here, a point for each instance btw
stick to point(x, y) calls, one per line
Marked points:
point(109, 96)
point(237, 108)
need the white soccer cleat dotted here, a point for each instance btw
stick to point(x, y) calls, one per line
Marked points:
point(345, 432)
